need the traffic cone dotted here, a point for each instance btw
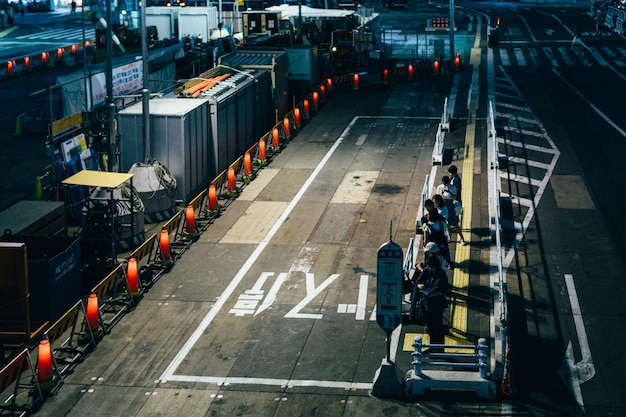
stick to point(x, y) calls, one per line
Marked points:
point(93, 313)
point(212, 203)
point(305, 104)
point(247, 165)
point(262, 153)
point(410, 72)
point(355, 82)
point(329, 83)
point(164, 247)
point(457, 62)
point(385, 76)
point(436, 67)
point(322, 94)
point(286, 128)
point(45, 366)
point(316, 100)
point(132, 276)
point(190, 220)
point(231, 186)
point(296, 117)
point(275, 140)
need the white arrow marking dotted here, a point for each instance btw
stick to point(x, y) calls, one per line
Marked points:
point(576, 374)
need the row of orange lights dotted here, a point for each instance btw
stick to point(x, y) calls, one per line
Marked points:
point(45, 58)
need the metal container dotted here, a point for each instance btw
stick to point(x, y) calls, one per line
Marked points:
point(164, 18)
point(197, 21)
point(181, 140)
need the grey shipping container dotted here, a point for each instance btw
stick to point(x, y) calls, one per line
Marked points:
point(181, 140)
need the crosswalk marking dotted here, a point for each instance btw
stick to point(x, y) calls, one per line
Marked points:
point(65, 34)
point(550, 56)
point(504, 57)
point(519, 55)
point(563, 56)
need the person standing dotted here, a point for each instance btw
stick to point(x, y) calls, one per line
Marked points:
point(455, 181)
point(73, 5)
point(10, 15)
point(434, 286)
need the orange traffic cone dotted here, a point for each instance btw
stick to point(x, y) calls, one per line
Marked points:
point(355, 82)
point(231, 187)
point(45, 366)
point(132, 277)
point(262, 152)
point(212, 204)
point(275, 140)
point(305, 104)
point(329, 83)
point(410, 72)
point(247, 167)
point(286, 128)
point(296, 117)
point(164, 247)
point(316, 100)
point(93, 313)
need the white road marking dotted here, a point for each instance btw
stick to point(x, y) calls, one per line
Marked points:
point(234, 283)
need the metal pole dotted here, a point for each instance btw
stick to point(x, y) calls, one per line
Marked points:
point(145, 92)
point(451, 21)
point(109, 82)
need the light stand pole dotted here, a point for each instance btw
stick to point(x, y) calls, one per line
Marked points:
point(451, 20)
point(109, 82)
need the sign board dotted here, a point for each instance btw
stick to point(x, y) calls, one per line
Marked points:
point(389, 286)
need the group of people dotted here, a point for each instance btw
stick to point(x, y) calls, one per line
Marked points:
point(430, 280)
point(8, 11)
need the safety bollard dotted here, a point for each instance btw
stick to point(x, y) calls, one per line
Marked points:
point(483, 353)
point(417, 355)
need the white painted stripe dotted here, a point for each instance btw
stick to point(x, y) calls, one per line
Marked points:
point(519, 55)
point(514, 107)
point(285, 383)
point(524, 161)
point(525, 132)
point(565, 56)
point(520, 178)
point(504, 57)
point(362, 300)
point(609, 52)
point(596, 54)
point(550, 55)
point(230, 289)
point(584, 60)
point(529, 147)
point(534, 54)
point(526, 202)
point(518, 118)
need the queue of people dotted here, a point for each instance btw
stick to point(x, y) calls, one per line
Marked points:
point(429, 284)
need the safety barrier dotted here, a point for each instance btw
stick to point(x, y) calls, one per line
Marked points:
point(500, 330)
point(424, 374)
point(439, 146)
point(445, 117)
point(26, 394)
point(80, 341)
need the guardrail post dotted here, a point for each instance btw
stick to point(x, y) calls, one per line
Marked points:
point(417, 355)
point(445, 116)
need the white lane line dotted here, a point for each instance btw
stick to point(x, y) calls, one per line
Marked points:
point(234, 283)
point(362, 300)
point(284, 383)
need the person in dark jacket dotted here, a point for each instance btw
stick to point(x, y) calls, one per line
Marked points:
point(434, 286)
